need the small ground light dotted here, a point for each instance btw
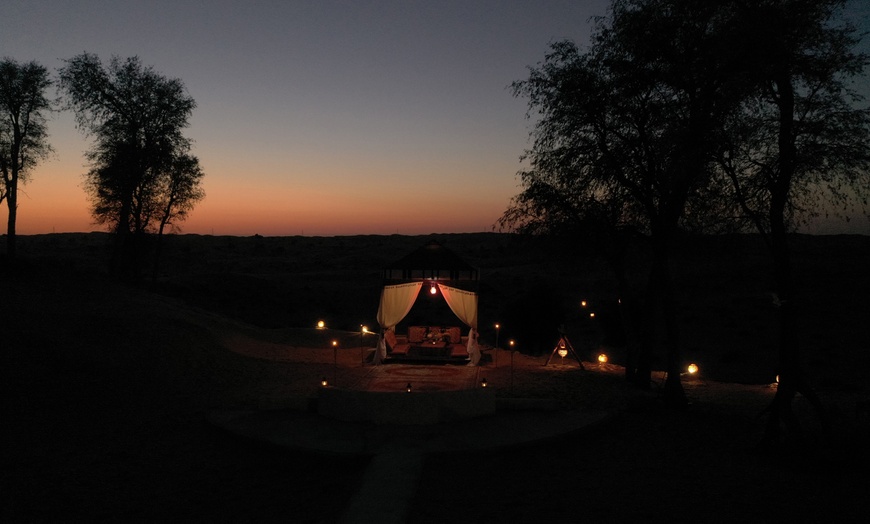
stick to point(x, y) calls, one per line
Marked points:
point(483, 382)
point(408, 387)
point(335, 362)
point(582, 303)
point(602, 359)
point(511, 344)
point(495, 363)
point(321, 324)
point(692, 369)
point(324, 382)
point(591, 315)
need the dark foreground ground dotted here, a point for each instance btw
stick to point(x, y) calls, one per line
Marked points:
point(105, 390)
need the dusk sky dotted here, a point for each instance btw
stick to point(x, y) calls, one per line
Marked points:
point(321, 117)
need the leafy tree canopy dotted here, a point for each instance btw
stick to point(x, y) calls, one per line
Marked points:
point(142, 174)
point(23, 130)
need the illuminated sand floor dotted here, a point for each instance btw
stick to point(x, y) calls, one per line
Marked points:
point(396, 377)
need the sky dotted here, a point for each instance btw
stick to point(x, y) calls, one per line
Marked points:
point(321, 117)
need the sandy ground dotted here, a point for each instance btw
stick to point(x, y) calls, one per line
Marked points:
point(646, 463)
point(105, 393)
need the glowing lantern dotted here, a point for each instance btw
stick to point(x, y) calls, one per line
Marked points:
point(563, 352)
point(602, 359)
point(408, 387)
point(483, 382)
point(591, 315)
point(324, 382)
point(321, 324)
point(582, 303)
point(433, 290)
point(693, 368)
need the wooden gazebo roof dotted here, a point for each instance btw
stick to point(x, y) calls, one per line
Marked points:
point(432, 261)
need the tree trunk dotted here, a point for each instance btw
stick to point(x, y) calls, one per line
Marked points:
point(660, 309)
point(628, 315)
point(782, 421)
point(630, 322)
point(791, 375)
point(119, 263)
point(12, 202)
point(12, 190)
point(158, 251)
point(641, 336)
point(674, 395)
point(642, 375)
point(789, 363)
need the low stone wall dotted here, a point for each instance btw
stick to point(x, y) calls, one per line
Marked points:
point(417, 407)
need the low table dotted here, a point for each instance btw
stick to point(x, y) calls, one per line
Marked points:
point(439, 344)
point(428, 349)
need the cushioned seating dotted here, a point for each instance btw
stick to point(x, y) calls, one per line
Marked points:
point(455, 335)
point(416, 334)
point(450, 338)
point(434, 332)
point(393, 345)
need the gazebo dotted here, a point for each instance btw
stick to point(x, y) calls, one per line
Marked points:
point(440, 271)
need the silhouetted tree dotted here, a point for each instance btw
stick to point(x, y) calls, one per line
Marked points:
point(23, 132)
point(799, 142)
point(136, 117)
point(628, 127)
point(179, 191)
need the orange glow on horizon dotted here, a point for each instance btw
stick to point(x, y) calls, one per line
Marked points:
point(268, 211)
point(309, 195)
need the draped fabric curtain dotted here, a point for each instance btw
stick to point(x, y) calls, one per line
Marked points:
point(396, 302)
point(462, 303)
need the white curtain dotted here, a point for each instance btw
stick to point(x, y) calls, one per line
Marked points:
point(396, 301)
point(473, 348)
point(381, 351)
point(462, 303)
